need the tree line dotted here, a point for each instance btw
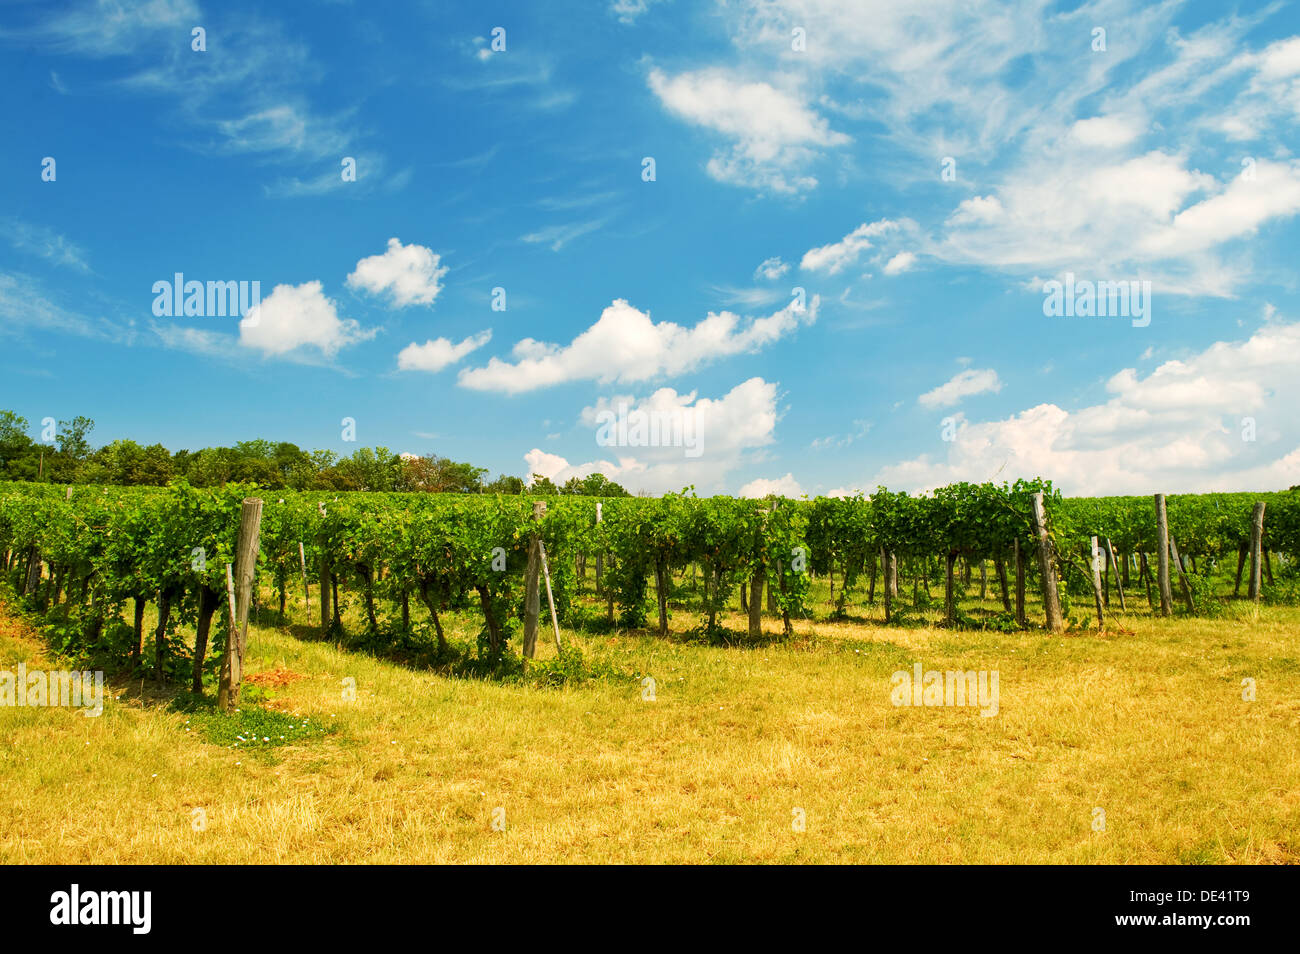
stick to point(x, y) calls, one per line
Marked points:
point(70, 458)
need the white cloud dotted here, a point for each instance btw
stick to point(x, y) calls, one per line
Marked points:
point(109, 28)
point(438, 353)
point(1147, 217)
point(558, 236)
point(771, 268)
point(45, 242)
point(837, 256)
point(1058, 156)
point(624, 345)
point(409, 273)
point(845, 492)
point(24, 304)
point(295, 317)
point(1178, 429)
point(1107, 132)
point(900, 263)
point(1240, 209)
point(964, 384)
point(628, 11)
point(774, 133)
point(860, 429)
point(730, 431)
point(785, 486)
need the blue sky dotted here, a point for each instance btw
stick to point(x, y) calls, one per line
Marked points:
point(919, 170)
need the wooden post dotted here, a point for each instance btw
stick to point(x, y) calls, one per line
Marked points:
point(33, 577)
point(1242, 550)
point(324, 594)
point(892, 577)
point(306, 592)
point(1046, 563)
point(756, 602)
point(1119, 584)
point(1020, 586)
point(550, 598)
point(661, 595)
point(949, 606)
point(1096, 583)
point(1162, 557)
point(600, 554)
point(232, 664)
point(230, 596)
point(1145, 577)
point(1000, 565)
point(532, 597)
point(1256, 548)
point(1182, 575)
point(984, 580)
point(884, 569)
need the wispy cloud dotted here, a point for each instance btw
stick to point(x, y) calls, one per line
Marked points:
point(558, 236)
point(43, 242)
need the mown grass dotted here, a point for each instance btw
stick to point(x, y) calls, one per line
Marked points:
point(1145, 721)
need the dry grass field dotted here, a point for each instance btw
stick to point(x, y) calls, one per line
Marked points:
point(1146, 722)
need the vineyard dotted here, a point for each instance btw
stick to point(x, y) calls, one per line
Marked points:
point(391, 566)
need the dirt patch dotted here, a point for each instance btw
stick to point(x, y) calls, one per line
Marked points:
point(276, 678)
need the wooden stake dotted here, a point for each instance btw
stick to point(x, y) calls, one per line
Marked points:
point(230, 596)
point(949, 605)
point(1182, 575)
point(306, 592)
point(1047, 565)
point(1162, 556)
point(1256, 548)
point(532, 598)
point(1020, 586)
point(550, 598)
point(884, 569)
point(1096, 583)
point(1000, 565)
point(250, 525)
point(600, 554)
point(1119, 584)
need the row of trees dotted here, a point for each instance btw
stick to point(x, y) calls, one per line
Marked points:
point(66, 456)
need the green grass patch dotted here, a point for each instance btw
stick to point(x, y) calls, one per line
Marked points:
point(250, 726)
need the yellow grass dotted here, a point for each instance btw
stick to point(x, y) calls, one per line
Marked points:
point(1151, 727)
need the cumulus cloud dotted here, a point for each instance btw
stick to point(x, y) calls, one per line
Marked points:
point(730, 430)
point(625, 345)
point(296, 318)
point(771, 268)
point(837, 256)
point(774, 133)
point(785, 486)
point(1184, 427)
point(962, 385)
point(410, 274)
point(900, 263)
point(974, 81)
point(1107, 132)
point(437, 353)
